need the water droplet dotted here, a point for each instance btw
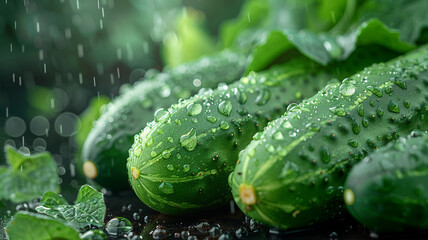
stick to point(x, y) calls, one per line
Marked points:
point(360, 110)
point(375, 90)
point(330, 189)
point(401, 84)
point(166, 188)
point(170, 167)
point(365, 122)
point(356, 127)
point(270, 148)
point(325, 154)
point(137, 150)
point(224, 125)
point(291, 106)
point(339, 111)
point(118, 226)
point(194, 109)
point(263, 97)
point(166, 154)
point(393, 107)
point(177, 121)
point(379, 111)
point(170, 139)
point(287, 125)
point(189, 141)
point(388, 90)
point(160, 113)
point(353, 143)
point(406, 103)
point(225, 108)
point(153, 154)
point(136, 216)
point(314, 127)
point(370, 143)
point(186, 167)
point(257, 136)
point(211, 119)
point(278, 136)
point(347, 89)
point(240, 95)
point(149, 141)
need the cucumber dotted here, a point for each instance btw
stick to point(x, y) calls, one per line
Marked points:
point(180, 162)
point(106, 148)
point(388, 190)
point(292, 174)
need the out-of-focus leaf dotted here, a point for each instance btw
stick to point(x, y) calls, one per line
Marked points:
point(252, 14)
point(329, 12)
point(32, 226)
point(189, 40)
point(28, 177)
point(258, 17)
point(92, 113)
point(88, 210)
point(409, 17)
point(40, 98)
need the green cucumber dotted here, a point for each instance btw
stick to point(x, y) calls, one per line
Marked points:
point(388, 190)
point(180, 162)
point(106, 148)
point(292, 174)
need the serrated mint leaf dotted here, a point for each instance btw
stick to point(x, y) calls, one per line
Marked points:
point(88, 210)
point(33, 226)
point(27, 177)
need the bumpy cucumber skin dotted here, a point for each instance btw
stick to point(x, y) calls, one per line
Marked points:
point(297, 167)
point(158, 159)
point(113, 133)
point(388, 190)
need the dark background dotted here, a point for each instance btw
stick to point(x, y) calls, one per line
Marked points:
point(55, 56)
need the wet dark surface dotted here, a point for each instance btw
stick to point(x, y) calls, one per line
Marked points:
point(228, 222)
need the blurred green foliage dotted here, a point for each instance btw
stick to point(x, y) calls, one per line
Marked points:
point(189, 40)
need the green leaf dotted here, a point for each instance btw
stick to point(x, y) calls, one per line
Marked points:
point(189, 40)
point(28, 177)
point(373, 32)
point(324, 48)
point(408, 17)
point(251, 15)
point(92, 113)
point(88, 210)
point(32, 226)
point(321, 48)
point(258, 17)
